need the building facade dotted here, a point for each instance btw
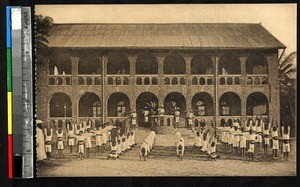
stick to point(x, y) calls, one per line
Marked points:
point(102, 71)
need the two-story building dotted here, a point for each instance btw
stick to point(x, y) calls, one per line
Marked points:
point(220, 70)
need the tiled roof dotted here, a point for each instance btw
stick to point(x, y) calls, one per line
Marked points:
point(186, 35)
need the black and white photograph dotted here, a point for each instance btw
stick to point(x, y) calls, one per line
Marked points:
point(165, 90)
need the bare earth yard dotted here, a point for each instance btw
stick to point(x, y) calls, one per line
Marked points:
point(163, 162)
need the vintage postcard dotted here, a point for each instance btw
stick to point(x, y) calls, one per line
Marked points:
point(166, 90)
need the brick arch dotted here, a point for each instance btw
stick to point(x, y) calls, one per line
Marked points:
point(227, 61)
point(170, 68)
point(204, 58)
point(66, 100)
point(112, 103)
point(233, 101)
point(119, 57)
point(146, 63)
point(179, 98)
point(258, 59)
point(81, 95)
point(260, 99)
point(208, 103)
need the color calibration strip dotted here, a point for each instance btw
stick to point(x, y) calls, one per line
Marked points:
point(9, 92)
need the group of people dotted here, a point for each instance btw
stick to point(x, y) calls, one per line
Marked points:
point(235, 137)
point(256, 133)
point(119, 138)
point(147, 146)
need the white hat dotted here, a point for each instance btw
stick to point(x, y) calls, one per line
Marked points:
point(38, 121)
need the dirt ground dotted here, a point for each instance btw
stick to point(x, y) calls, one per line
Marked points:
point(163, 162)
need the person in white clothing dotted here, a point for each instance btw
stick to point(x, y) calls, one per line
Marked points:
point(190, 119)
point(266, 136)
point(60, 143)
point(40, 141)
point(180, 148)
point(71, 138)
point(286, 142)
point(98, 134)
point(88, 143)
point(177, 117)
point(133, 116)
point(275, 140)
point(48, 142)
point(144, 151)
point(146, 115)
point(251, 138)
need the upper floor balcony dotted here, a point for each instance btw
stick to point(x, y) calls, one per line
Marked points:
point(148, 70)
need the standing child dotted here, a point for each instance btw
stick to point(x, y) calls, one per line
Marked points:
point(88, 143)
point(275, 141)
point(236, 139)
point(251, 138)
point(71, 141)
point(60, 143)
point(98, 139)
point(48, 142)
point(80, 142)
point(266, 136)
point(258, 139)
point(176, 115)
point(104, 136)
point(243, 141)
point(286, 142)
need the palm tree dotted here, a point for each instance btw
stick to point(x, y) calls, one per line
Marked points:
point(287, 81)
point(43, 26)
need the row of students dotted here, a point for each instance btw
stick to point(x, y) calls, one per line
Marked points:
point(255, 133)
point(147, 146)
point(206, 143)
point(77, 136)
point(122, 144)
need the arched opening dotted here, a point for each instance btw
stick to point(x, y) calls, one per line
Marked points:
point(51, 81)
point(118, 64)
point(202, 64)
point(174, 64)
point(89, 66)
point(194, 81)
point(146, 99)
point(257, 104)
point(60, 66)
point(60, 105)
point(230, 104)
point(89, 105)
point(97, 81)
point(202, 104)
point(139, 81)
point(172, 100)
point(81, 81)
point(154, 81)
point(167, 81)
point(118, 105)
point(257, 64)
point(229, 65)
point(146, 64)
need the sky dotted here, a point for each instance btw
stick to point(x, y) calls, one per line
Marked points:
point(279, 19)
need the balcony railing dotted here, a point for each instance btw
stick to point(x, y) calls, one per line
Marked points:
point(60, 122)
point(146, 80)
point(229, 79)
point(122, 79)
point(89, 80)
point(202, 79)
point(174, 79)
point(60, 79)
point(257, 79)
